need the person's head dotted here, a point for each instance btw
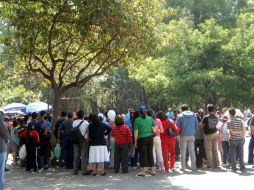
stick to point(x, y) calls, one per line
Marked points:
point(70, 115)
point(34, 115)
point(232, 112)
point(80, 114)
point(151, 114)
point(142, 110)
point(119, 121)
point(94, 119)
point(210, 108)
point(42, 113)
point(63, 114)
point(201, 113)
point(30, 126)
point(224, 118)
point(101, 116)
point(184, 107)
point(161, 115)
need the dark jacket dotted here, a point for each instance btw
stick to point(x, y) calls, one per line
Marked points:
point(4, 135)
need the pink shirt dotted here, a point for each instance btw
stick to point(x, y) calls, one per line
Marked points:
point(158, 124)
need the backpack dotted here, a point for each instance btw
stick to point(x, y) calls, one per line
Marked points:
point(171, 131)
point(75, 135)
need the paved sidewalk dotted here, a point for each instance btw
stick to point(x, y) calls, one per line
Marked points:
point(61, 179)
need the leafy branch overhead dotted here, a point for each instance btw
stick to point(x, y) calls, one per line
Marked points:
point(70, 42)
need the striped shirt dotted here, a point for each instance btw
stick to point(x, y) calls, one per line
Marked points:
point(122, 134)
point(235, 125)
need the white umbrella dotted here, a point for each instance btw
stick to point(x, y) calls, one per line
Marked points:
point(15, 107)
point(37, 107)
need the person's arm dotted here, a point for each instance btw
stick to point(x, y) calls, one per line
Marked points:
point(161, 128)
point(202, 123)
point(129, 135)
point(108, 129)
point(4, 132)
point(174, 127)
point(136, 138)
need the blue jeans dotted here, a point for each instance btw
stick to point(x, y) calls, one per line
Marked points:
point(2, 169)
point(251, 147)
point(225, 147)
point(236, 150)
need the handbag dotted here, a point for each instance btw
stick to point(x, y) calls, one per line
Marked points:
point(170, 131)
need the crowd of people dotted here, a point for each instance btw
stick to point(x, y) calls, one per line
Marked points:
point(142, 138)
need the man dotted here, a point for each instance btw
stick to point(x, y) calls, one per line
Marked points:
point(4, 138)
point(65, 128)
point(188, 124)
point(199, 141)
point(251, 143)
point(59, 136)
point(81, 150)
point(209, 123)
point(236, 132)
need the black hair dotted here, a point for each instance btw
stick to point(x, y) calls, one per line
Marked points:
point(70, 115)
point(161, 115)
point(232, 111)
point(184, 107)
point(80, 114)
point(34, 115)
point(42, 113)
point(210, 108)
point(94, 119)
point(151, 114)
point(63, 114)
point(29, 128)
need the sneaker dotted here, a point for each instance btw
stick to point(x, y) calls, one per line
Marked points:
point(41, 170)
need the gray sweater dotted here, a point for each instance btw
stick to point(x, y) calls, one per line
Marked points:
point(4, 135)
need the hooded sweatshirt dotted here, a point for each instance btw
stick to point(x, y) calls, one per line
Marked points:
point(4, 135)
point(188, 123)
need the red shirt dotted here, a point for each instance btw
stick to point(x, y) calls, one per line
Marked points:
point(166, 124)
point(122, 134)
point(33, 134)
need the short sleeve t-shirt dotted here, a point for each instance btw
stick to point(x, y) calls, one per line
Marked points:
point(210, 121)
point(144, 126)
point(158, 124)
point(236, 125)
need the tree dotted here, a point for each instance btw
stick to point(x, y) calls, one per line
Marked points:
point(69, 42)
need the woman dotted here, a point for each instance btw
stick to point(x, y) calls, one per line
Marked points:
point(168, 142)
point(98, 152)
point(143, 136)
point(123, 139)
point(157, 152)
point(32, 142)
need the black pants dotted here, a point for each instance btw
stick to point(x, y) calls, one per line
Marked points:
point(145, 146)
point(199, 152)
point(121, 157)
point(31, 158)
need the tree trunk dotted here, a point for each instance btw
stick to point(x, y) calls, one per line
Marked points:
point(56, 112)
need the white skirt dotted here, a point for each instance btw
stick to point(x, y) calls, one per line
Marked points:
point(98, 154)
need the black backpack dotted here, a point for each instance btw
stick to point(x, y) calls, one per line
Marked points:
point(75, 135)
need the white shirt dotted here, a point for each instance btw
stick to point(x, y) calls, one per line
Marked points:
point(83, 127)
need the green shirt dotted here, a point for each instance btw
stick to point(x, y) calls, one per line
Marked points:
point(144, 126)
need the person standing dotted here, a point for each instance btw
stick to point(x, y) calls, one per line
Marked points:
point(167, 141)
point(98, 152)
point(123, 140)
point(199, 141)
point(157, 151)
point(236, 132)
point(251, 143)
point(32, 142)
point(188, 124)
point(68, 151)
point(143, 137)
point(209, 123)
point(4, 138)
point(81, 150)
